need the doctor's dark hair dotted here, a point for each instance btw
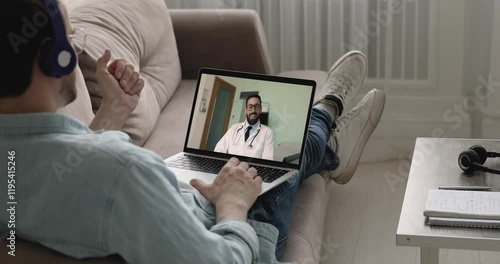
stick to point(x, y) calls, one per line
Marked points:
point(253, 95)
point(28, 24)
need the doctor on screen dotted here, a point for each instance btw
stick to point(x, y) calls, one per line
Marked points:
point(259, 138)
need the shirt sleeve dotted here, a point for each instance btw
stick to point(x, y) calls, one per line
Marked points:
point(150, 223)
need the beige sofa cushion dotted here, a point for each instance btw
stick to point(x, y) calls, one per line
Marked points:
point(169, 135)
point(141, 32)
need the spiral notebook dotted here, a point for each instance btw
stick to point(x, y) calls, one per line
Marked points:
point(462, 222)
point(463, 208)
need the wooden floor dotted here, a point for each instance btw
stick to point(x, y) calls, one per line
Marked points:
point(362, 219)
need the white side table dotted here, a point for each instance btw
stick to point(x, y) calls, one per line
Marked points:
point(435, 163)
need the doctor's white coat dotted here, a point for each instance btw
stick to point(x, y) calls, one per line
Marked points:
point(233, 142)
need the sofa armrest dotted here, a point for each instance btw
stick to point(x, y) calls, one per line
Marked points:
point(220, 38)
point(27, 253)
point(306, 240)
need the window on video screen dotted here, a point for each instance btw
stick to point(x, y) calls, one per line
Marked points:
point(252, 118)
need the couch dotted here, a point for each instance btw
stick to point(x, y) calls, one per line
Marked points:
point(168, 48)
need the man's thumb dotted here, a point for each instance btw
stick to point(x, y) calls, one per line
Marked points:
point(102, 62)
point(199, 185)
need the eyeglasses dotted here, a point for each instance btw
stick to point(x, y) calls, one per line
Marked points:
point(255, 106)
point(78, 40)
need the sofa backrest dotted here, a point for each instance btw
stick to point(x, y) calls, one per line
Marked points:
point(220, 38)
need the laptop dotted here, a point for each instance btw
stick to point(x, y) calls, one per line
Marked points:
point(215, 131)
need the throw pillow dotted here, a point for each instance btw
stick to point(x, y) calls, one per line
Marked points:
point(141, 32)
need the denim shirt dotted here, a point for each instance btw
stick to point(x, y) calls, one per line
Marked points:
point(93, 194)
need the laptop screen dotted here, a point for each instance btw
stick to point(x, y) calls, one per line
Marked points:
point(250, 116)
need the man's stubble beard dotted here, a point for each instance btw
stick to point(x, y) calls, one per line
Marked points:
point(68, 89)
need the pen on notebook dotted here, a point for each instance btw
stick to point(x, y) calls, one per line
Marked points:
point(466, 188)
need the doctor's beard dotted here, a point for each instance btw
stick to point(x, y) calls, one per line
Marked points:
point(250, 121)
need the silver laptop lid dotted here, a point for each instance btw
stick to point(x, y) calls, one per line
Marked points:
point(220, 116)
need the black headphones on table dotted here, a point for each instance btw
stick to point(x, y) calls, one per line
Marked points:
point(472, 159)
point(57, 56)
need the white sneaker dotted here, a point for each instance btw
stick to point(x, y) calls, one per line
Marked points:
point(352, 132)
point(344, 80)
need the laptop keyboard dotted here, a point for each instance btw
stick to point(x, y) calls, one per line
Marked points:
point(214, 166)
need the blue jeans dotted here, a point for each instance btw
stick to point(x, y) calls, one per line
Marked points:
point(275, 207)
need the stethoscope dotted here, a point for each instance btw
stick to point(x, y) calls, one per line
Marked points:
point(251, 142)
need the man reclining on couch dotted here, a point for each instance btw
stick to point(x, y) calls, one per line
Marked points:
point(118, 198)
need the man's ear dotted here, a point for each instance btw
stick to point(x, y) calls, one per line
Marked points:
point(43, 56)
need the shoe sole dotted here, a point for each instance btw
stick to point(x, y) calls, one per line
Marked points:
point(347, 55)
point(374, 118)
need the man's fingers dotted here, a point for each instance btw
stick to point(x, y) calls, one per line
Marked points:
point(233, 161)
point(258, 180)
point(252, 171)
point(243, 165)
point(120, 66)
point(133, 79)
point(138, 86)
point(229, 166)
point(127, 75)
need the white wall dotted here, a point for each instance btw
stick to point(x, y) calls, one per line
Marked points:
point(491, 115)
point(439, 110)
point(494, 102)
point(199, 118)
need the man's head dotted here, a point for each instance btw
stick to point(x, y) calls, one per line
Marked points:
point(30, 27)
point(253, 108)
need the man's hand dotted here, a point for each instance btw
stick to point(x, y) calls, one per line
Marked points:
point(233, 191)
point(121, 87)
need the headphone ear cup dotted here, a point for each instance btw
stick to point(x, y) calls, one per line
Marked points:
point(44, 57)
point(468, 160)
point(481, 152)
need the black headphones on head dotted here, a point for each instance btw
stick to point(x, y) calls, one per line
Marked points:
point(57, 56)
point(472, 159)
